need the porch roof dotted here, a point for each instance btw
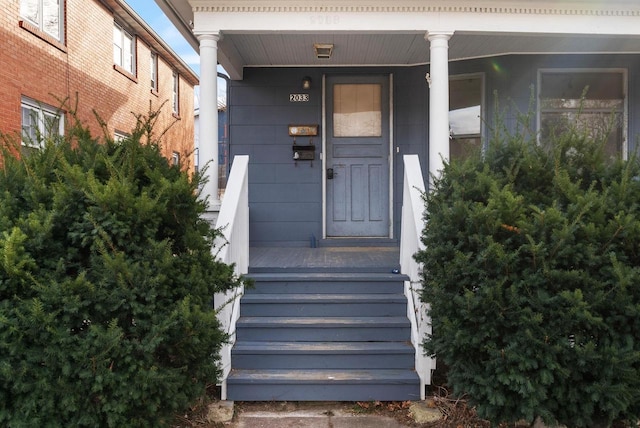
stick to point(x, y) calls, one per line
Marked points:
point(274, 33)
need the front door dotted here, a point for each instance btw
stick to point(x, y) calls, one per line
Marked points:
point(357, 148)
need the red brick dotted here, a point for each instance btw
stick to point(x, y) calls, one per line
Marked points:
point(34, 68)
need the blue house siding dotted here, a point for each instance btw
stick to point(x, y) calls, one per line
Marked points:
point(411, 127)
point(285, 197)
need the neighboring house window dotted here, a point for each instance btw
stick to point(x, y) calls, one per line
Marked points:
point(46, 15)
point(123, 49)
point(39, 122)
point(154, 71)
point(176, 94)
point(119, 136)
point(175, 158)
point(465, 115)
point(593, 101)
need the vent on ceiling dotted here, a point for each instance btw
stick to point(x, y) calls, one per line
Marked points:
point(323, 50)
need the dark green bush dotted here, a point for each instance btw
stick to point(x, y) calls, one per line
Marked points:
point(106, 285)
point(532, 271)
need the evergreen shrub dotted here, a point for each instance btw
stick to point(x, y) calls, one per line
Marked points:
point(532, 274)
point(106, 284)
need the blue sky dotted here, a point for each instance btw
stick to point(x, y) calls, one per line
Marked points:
point(152, 15)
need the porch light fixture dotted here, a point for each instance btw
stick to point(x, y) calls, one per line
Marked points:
point(306, 82)
point(323, 50)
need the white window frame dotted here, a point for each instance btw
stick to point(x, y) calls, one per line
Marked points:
point(33, 11)
point(175, 94)
point(624, 147)
point(124, 49)
point(40, 122)
point(154, 71)
point(119, 136)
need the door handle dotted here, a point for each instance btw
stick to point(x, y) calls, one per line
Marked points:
point(330, 174)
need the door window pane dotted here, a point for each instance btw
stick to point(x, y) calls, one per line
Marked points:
point(357, 110)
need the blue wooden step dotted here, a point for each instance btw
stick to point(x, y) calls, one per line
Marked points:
point(323, 355)
point(317, 335)
point(323, 385)
point(332, 283)
point(323, 305)
point(322, 329)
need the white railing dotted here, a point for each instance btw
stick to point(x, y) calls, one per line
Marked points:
point(232, 247)
point(412, 225)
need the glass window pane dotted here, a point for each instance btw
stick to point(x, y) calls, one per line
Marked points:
point(590, 102)
point(461, 148)
point(117, 36)
point(465, 99)
point(29, 125)
point(29, 9)
point(357, 110)
point(597, 126)
point(127, 53)
point(598, 85)
point(117, 46)
point(154, 67)
point(51, 124)
point(176, 93)
point(51, 17)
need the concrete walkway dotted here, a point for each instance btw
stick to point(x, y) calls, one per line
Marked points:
point(312, 419)
point(311, 415)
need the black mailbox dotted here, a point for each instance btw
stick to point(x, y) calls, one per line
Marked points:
point(303, 153)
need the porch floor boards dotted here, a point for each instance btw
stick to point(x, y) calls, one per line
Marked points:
point(335, 258)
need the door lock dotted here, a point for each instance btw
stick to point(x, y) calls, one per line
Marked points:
point(330, 174)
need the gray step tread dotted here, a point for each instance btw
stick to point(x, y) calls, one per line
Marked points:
point(374, 376)
point(322, 298)
point(322, 322)
point(371, 348)
point(327, 276)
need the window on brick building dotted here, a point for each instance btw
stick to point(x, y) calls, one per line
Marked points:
point(175, 159)
point(154, 72)
point(39, 122)
point(46, 15)
point(176, 94)
point(119, 136)
point(123, 49)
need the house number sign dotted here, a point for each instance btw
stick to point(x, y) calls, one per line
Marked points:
point(298, 98)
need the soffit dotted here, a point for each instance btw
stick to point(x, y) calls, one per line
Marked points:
point(257, 33)
point(372, 49)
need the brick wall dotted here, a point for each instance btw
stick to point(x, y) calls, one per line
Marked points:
point(81, 72)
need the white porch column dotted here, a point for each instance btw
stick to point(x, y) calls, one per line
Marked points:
point(438, 79)
point(208, 139)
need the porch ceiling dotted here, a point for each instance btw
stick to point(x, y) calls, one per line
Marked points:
point(373, 49)
point(272, 33)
